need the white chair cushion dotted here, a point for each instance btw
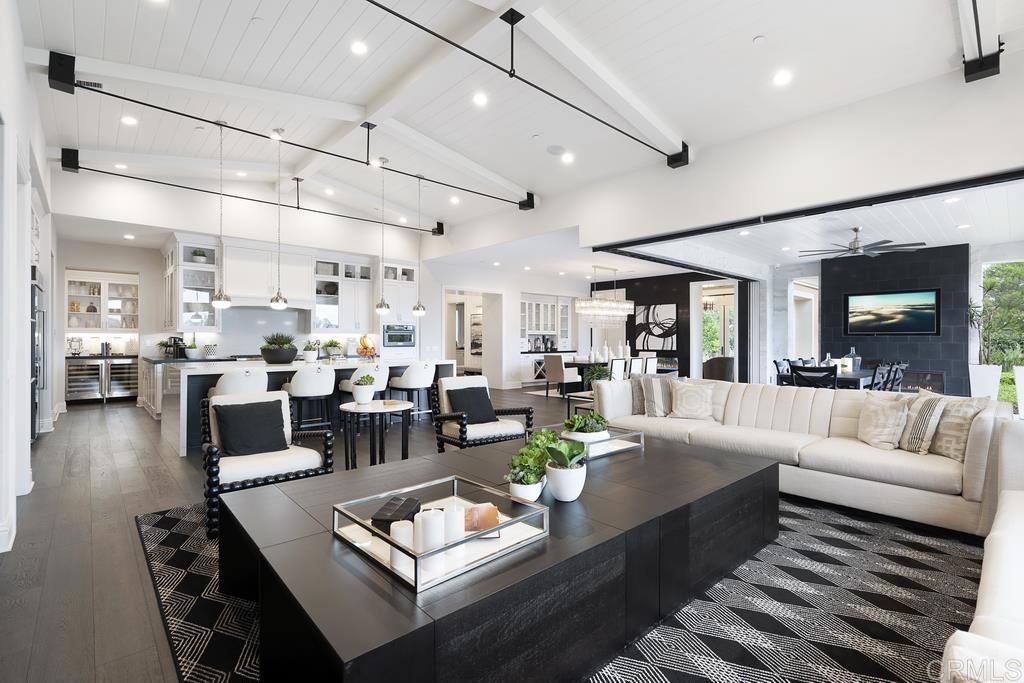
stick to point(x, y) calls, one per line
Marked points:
point(261, 397)
point(670, 428)
point(486, 430)
point(784, 447)
point(853, 458)
point(242, 467)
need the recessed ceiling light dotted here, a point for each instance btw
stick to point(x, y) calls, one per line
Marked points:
point(454, 199)
point(276, 133)
point(744, 233)
point(120, 167)
point(950, 200)
point(329, 191)
point(526, 267)
point(403, 219)
point(785, 249)
point(241, 174)
point(378, 162)
point(359, 48)
point(129, 120)
point(480, 99)
point(497, 263)
point(586, 277)
point(963, 227)
point(561, 272)
point(128, 236)
point(782, 78)
point(568, 158)
point(556, 150)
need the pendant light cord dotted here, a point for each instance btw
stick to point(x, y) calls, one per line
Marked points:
point(382, 162)
point(278, 216)
point(419, 242)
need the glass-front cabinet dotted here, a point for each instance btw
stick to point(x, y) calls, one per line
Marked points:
point(198, 285)
point(327, 296)
point(96, 301)
point(191, 278)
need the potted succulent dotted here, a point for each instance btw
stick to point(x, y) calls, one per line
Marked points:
point(192, 351)
point(332, 347)
point(311, 351)
point(278, 348)
point(526, 474)
point(198, 256)
point(567, 470)
point(586, 427)
point(363, 389)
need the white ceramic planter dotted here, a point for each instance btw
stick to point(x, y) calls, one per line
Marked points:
point(310, 356)
point(530, 492)
point(363, 395)
point(192, 354)
point(586, 437)
point(985, 380)
point(566, 485)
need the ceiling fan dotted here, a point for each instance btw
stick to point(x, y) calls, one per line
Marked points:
point(855, 248)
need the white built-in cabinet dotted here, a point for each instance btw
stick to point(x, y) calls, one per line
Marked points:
point(250, 275)
point(401, 293)
point(545, 315)
point(342, 297)
point(191, 278)
point(101, 301)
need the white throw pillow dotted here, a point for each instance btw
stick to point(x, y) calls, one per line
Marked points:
point(882, 420)
point(692, 401)
point(923, 415)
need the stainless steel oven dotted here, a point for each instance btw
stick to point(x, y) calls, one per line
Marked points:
point(399, 335)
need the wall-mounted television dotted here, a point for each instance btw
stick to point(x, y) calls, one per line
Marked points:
point(877, 313)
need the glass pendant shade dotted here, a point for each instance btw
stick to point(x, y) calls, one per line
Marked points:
point(419, 310)
point(220, 300)
point(382, 307)
point(279, 303)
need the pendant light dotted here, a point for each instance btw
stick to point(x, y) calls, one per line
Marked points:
point(382, 307)
point(221, 300)
point(601, 312)
point(279, 303)
point(419, 310)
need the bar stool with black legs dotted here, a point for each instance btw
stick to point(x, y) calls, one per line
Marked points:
point(313, 383)
point(414, 382)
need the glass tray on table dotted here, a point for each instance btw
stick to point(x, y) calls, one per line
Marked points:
point(520, 523)
point(618, 441)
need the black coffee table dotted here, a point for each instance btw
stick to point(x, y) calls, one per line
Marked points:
point(651, 530)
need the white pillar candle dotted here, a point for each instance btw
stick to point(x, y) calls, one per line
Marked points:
point(454, 523)
point(429, 534)
point(403, 533)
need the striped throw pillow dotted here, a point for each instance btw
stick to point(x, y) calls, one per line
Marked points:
point(922, 420)
point(657, 395)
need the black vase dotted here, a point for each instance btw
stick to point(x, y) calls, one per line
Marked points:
point(279, 356)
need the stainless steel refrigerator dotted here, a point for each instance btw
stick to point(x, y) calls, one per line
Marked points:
point(38, 319)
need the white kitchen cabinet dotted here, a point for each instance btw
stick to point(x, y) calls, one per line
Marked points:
point(247, 273)
point(356, 306)
point(191, 277)
point(296, 276)
point(564, 324)
point(402, 297)
point(106, 302)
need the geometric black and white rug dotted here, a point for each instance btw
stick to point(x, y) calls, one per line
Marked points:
point(213, 636)
point(840, 596)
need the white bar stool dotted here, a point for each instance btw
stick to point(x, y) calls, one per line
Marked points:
point(414, 382)
point(311, 383)
point(240, 381)
point(380, 372)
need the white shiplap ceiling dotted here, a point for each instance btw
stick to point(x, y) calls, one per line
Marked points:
point(990, 215)
point(692, 63)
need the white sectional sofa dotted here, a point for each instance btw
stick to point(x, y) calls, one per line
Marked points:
point(812, 433)
point(993, 648)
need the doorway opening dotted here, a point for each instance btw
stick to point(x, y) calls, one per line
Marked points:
point(714, 329)
point(472, 331)
point(803, 318)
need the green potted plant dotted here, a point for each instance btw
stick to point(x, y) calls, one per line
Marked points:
point(311, 351)
point(363, 389)
point(566, 470)
point(192, 350)
point(332, 347)
point(594, 373)
point(278, 348)
point(198, 256)
point(586, 427)
point(526, 471)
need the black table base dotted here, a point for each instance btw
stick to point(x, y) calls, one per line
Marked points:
point(377, 425)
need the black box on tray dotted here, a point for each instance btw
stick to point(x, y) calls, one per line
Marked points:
point(395, 510)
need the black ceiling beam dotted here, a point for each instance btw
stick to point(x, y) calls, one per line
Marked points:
point(513, 17)
point(60, 78)
point(72, 154)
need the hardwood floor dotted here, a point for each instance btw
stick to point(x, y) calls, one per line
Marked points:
point(76, 600)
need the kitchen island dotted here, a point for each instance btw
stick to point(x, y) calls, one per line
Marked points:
point(186, 384)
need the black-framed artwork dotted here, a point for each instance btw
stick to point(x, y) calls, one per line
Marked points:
point(910, 312)
point(476, 334)
point(656, 327)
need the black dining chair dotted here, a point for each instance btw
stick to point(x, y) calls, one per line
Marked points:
point(895, 381)
point(815, 376)
point(880, 376)
point(782, 377)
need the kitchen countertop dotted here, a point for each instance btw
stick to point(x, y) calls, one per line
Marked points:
point(215, 368)
point(85, 356)
point(160, 360)
point(541, 353)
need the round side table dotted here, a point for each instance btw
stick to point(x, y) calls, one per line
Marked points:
point(377, 412)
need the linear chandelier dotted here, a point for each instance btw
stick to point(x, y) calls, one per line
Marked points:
point(513, 17)
point(601, 312)
point(61, 76)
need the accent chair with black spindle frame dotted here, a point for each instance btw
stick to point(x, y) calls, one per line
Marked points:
point(454, 428)
point(226, 473)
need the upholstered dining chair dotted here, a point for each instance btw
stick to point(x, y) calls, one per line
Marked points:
point(636, 366)
point(814, 376)
point(240, 381)
point(453, 427)
point(226, 472)
point(311, 383)
point(650, 365)
point(719, 367)
point(556, 373)
point(617, 368)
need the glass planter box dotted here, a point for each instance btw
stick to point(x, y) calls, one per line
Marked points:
point(618, 441)
point(520, 523)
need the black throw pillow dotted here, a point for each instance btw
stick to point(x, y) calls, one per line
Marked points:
point(474, 402)
point(248, 428)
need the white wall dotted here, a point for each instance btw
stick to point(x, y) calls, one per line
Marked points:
point(780, 325)
point(440, 277)
point(22, 151)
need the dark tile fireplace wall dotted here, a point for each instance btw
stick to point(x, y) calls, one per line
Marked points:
point(943, 267)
